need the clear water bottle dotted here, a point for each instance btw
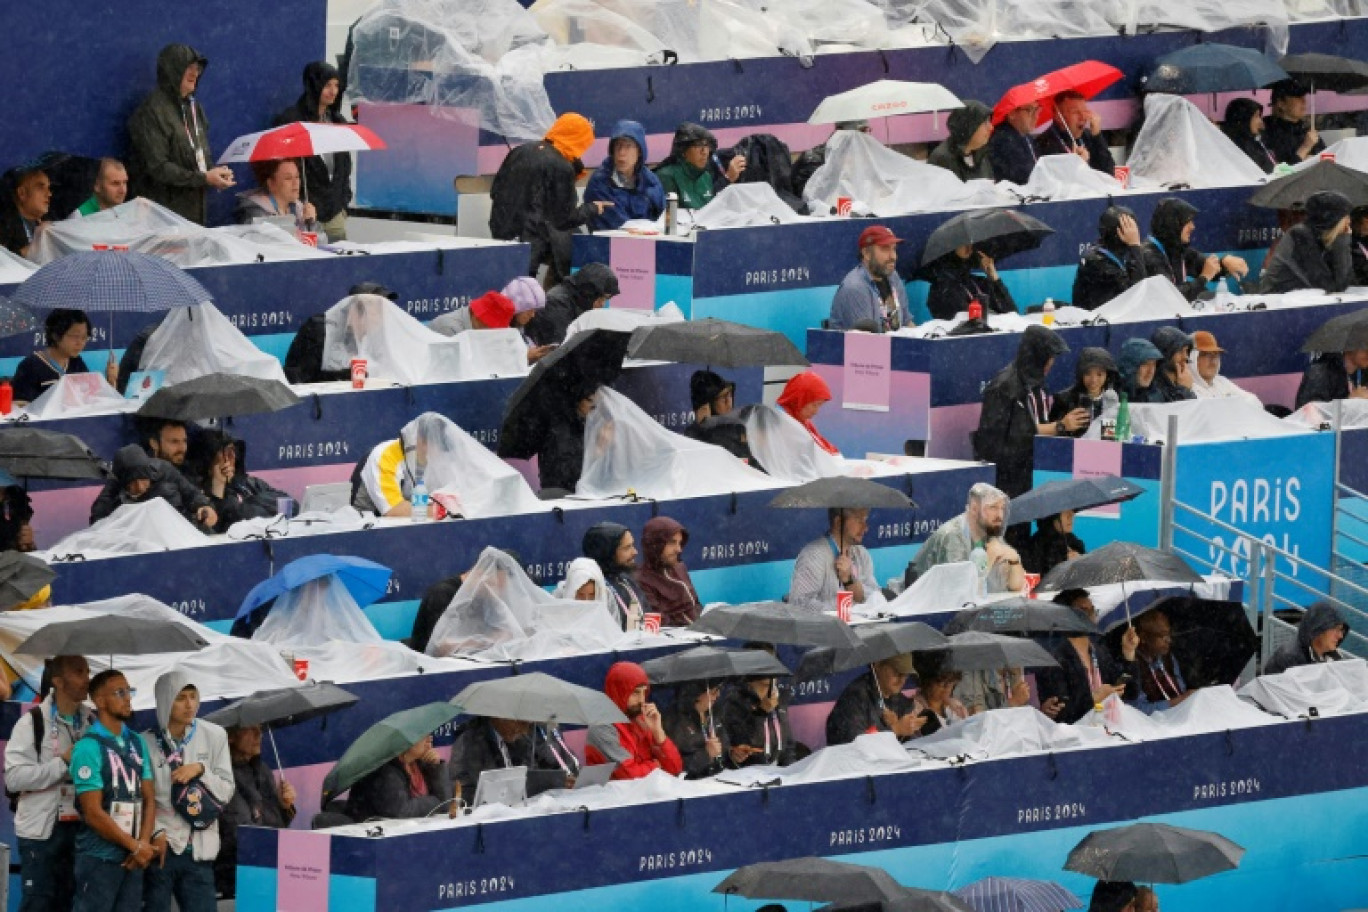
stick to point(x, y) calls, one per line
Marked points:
point(419, 500)
point(1047, 313)
point(1098, 719)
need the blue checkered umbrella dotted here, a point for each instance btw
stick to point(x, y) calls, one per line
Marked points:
point(1016, 894)
point(110, 282)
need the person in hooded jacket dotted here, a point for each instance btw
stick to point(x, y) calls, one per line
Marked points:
point(1113, 896)
point(756, 723)
point(560, 449)
point(964, 152)
point(170, 162)
point(1137, 365)
point(1094, 374)
point(1114, 263)
point(802, 398)
point(624, 180)
point(696, 732)
point(663, 578)
point(691, 170)
point(768, 161)
point(1168, 251)
point(1052, 544)
point(639, 746)
point(612, 547)
point(216, 465)
point(1334, 375)
point(1016, 407)
point(954, 284)
point(591, 287)
point(1244, 126)
point(1316, 253)
point(1173, 379)
point(257, 801)
point(327, 177)
point(533, 197)
point(139, 478)
point(1319, 635)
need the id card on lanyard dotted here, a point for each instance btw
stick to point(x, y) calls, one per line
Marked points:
point(192, 133)
point(67, 809)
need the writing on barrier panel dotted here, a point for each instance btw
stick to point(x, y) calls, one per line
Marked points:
point(1212, 791)
point(787, 275)
point(726, 550)
point(257, 319)
point(295, 452)
point(1048, 813)
point(480, 886)
point(99, 336)
point(549, 571)
point(681, 418)
point(730, 113)
point(435, 306)
point(815, 687)
point(670, 861)
point(865, 835)
point(1254, 502)
point(190, 607)
point(913, 528)
point(1258, 234)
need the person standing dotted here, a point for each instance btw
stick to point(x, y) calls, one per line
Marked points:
point(257, 801)
point(38, 770)
point(872, 297)
point(327, 177)
point(169, 133)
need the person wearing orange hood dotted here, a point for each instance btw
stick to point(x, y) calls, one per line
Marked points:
point(638, 746)
point(803, 397)
point(533, 197)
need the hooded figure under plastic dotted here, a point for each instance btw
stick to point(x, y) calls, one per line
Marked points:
point(1014, 403)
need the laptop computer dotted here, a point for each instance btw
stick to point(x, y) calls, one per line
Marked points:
point(501, 786)
point(599, 774)
point(326, 498)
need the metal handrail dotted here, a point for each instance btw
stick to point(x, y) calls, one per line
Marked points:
point(1207, 541)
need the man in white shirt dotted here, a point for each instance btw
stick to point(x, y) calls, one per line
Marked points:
point(1207, 382)
point(836, 561)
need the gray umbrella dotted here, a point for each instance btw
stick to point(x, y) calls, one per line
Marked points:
point(111, 634)
point(1120, 562)
point(708, 663)
point(914, 901)
point(811, 879)
point(21, 578)
point(1020, 615)
point(538, 697)
point(1338, 334)
point(717, 343)
point(877, 642)
point(978, 651)
point(217, 396)
point(997, 232)
point(1153, 853)
point(775, 622)
point(35, 453)
point(1055, 497)
point(282, 707)
point(842, 493)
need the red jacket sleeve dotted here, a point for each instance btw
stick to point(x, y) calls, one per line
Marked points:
point(670, 760)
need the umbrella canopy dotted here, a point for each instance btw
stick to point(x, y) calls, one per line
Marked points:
point(1212, 640)
point(301, 140)
point(1153, 853)
point(1087, 78)
point(1327, 72)
point(997, 232)
point(35, 453)
point(217, 396)
point(111, 634)
point(365, 580)
point(877, 642)
point(1211, 68)
point(1055, 497)
point(584, 362)
point(111, 281)
point(975, 650)
point(1347, 332)
point(708, 663)
point(884, 98)
point(1021, 615)
point(1120, 562)
point(1291, 190)
point(21, 578)
point(842, 493)
point(538, 697)
point(284, 706)
point(811, 879)
point(716, 343)
point(15, 319)
point(384, 741)
point(775, 622)
point(912, 900)
point(1017, 894)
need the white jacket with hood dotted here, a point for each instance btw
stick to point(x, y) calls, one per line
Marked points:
point(208, 745)
point(37, 775)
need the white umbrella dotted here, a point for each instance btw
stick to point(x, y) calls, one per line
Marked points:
point(885, 98)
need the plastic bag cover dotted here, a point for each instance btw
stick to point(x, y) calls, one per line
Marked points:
point(627, 450)
point(878, 753)
point(1209, 709)
point(1204, 16)
point(78, 395)
point(314, 522)
point(1156, 298)
point(395, 345)
point(491, 353)
point(1353, 414)
point(460, 467)
point(1179, 145)
point(14, 268)
point(1332, 688)
point(1207, 420)
point(1007, 732)
point(138, 528)
point(194, 341)
point(745, 206)
point(317, 612)
point(976, 25)
point(622, 319)
point(785, 449)
point(1351, 153)
point(1066, 177)
point(945, 587)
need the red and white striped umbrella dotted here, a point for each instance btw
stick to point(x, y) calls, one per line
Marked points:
point(301, 140)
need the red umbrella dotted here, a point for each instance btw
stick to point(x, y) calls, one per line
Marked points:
point(1086, 78)
point(301, 140)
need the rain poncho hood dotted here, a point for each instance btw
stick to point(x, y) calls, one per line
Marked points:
point(1170, 340)
point(1096, 357)
point(194, 341)
point(801, 391)
point(314, 614)
point(601, 543)
point(785, 448)
point(572, 135)
point(1319, 617)
point(1135, 352)
point(622, 679)
point(1325, 209)
point(394, 345)
point(655, 534)
point(1178, 144)
point(1038, 346)
point(463, 474)
point(167, 689)
point(591, 282)
point(172, 62)
point(1166, 225)
point(583, 570)
point(690, 134)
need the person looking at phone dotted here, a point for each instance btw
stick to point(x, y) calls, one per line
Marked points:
point(756, 723)
point(638, 746)
point(836, 561)
point(964, 275)
point(875, 702)
point(1087, 674)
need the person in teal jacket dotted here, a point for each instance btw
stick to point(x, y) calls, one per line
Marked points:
point(692, 170)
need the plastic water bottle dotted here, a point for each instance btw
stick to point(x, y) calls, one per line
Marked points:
point(419, 501)
point(671, 213)
point(1047, 312)
point(1111, 408)
point(1098, 719)
point(1123, 420)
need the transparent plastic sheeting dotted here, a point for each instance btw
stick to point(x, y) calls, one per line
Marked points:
point(1328, 688)
point(78, 396)
point(622, 319)
point(1209, 421)
point(194, 341)
point(146, 227)
point(944, 587)
point(1178, 144)
point(314, 522)
point(462, 473)
point(14, 268)
point(785, 449)
point(314, 614)
point(139, 528)
point(745, 206)
point(1352, 413)
point(394, 345)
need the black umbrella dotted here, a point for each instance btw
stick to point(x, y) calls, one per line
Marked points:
point(1211, 68)
point(34, 453)
point(217, 396)
point(913, 900)
point(997, 232)
point(1055, 497)
point(1327, 71)
point(842, 493)
point(1021, 615)
point(708, 663)
point(1346, 332)
point(1153, 853)
point(811, 879)
point(1120, 562)
point(283, 707)
point(975, 650)
point(775, 622)
point(716, 343)
point(21, 578)
point(1291, 190)
point(1212, 639)
point(111, 634)
point(15, 319)
point(877, 642)
point(586, 361)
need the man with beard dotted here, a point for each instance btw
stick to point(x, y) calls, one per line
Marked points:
point(871, 296)
point(111, 768)
point(639, 746)
point(613, 548)
point(1168, 250)
point(975, 535)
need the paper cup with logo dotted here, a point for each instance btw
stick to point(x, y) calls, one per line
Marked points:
point(650, 621)
point(358, 373)
point(844, 205)
point(1032, 582)
point(845, 601)
point(301, 669)
point(309, 238)
point(1122, 174)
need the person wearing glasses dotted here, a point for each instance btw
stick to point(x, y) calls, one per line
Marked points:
point(1011, 153)
point(67, 332)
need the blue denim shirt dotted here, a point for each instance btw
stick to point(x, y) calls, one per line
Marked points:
point(858, 301)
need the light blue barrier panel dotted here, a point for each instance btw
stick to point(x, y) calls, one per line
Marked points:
point(791, 312)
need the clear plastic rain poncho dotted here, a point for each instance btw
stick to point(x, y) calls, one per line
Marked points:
point(486, 353)
point(785, 449)
point(139, 528)
point(1209, 420)
point(194, 341)
point(1135, 16)
point(976, 25)
point(461, 473)
point(623, 319)
point(1332, 688)
point(315, 613)
point(584, 570)
point(1206, 710)
point(885, 182)
point(78, 395)
point(745, 206)
point(627, 450)
point(1351, 153)
point(1179, 145)
point(500, 614)
point(395, 346)
point(942, 588)
point(1353, 413)
point(1155, 298)
point(1008, 732)
point(1065, 177)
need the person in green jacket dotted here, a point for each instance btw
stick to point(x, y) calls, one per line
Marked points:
point(692, 172)
point(169, 133)
point(111, 188)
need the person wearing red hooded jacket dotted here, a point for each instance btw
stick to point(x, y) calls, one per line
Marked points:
point(638, 746)
point(803, 397)
point(663, 578)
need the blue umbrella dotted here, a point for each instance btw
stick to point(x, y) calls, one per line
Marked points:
point(1212, 68)
point(365, 580)
point(114, 282)
point(1016, 894)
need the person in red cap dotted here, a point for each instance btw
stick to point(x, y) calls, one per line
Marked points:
point(638, 746)
point(872, 297)
point(490, 310)
point(803, 397)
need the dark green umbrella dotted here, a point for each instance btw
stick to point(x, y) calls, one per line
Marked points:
point(538, 697)
point(21, 578)
point(775, 622)
point(708, 663)
point(1153, 853)
point(1291, 190)
point(716, 343)
point(384, 741)
point(29, 452)
point(218, 396)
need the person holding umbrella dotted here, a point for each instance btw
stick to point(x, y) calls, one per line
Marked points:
point(935, 701)
point(1052, 544)
point(955, 285)
point(1076, 130)
point(257, 801)
point(277, 194)
point(835, 562)
point(1289, 133)
point(1244, 126)
point(489, 743)
point(413, 783)
point(755, 722)
point(1334, 375)
point(1087, 674)
point(1115, 262)
point(1315, 253)
point(66, 332)
point(702, 742)
point(1113, 896)
point(875, 702)
point(327, 177)
point(872, 297)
